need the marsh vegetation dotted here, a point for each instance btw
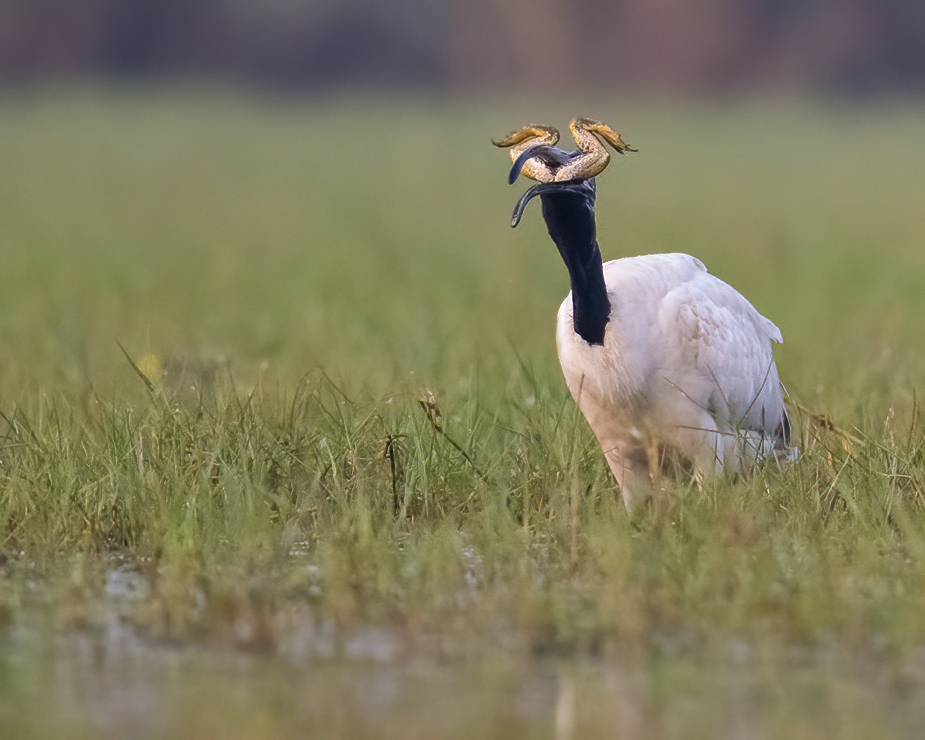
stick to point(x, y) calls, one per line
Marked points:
point(285, 449)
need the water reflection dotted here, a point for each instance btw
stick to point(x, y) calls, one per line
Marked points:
point(109, 679)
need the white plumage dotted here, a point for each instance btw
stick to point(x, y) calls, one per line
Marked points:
point(672, 367)
point(685, 374)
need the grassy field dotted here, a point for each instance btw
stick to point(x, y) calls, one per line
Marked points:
point(356, 501)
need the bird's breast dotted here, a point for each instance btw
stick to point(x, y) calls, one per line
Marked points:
point(619, 372)
point(612, 373)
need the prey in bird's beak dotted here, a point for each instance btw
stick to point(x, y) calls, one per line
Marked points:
point(551, 157)
point(535, 155)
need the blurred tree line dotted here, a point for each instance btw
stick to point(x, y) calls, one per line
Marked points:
point(708, 45)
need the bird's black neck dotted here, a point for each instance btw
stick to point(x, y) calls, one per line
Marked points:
point(570, 220)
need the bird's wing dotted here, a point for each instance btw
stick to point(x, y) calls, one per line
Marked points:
point(716, 352)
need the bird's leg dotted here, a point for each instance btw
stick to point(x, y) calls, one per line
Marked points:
point(628, 465)
point(654, 458)
point(532, 138)
point(635, 488)
point(592, 156)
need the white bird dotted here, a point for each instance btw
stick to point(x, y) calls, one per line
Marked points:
point(672, 367)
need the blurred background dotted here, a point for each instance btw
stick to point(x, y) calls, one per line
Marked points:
point(854, 46)
point(183, 176)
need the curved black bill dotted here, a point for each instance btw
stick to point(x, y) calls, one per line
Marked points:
point(543, 187)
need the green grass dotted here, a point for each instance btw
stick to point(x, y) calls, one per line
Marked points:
point(276, 539)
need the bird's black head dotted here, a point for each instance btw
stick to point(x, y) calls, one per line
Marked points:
point(567, 202)
point(569, 214)
point(568, 209)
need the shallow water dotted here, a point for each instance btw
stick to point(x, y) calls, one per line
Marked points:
point(112, 683)
point(110, 678)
